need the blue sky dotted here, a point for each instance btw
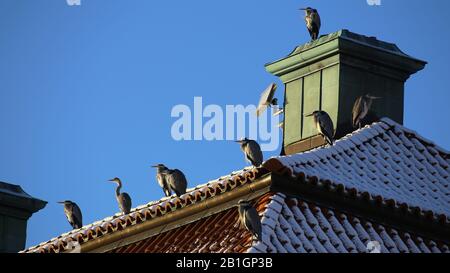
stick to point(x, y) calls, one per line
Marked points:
point(86, 92)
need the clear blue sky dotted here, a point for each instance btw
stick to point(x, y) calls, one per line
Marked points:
point(86, 92)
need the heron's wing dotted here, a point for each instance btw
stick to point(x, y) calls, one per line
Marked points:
point(356, 111)
point(326, 124)
point(77, 216)
point(253, 152)
point(253, 222)
point(316, 20)
point(266, 98)
point(125, 202)
point(177, 181)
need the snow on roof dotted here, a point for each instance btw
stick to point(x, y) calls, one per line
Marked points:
point(385, 160)
point(291, 225)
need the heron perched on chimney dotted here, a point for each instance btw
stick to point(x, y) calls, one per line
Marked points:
point(171, 180)
point(324, 125)
point(360, 109)
point(312, 19)
point(123, 198)
point(73, 213)
point(249, 218)
point(252, 151)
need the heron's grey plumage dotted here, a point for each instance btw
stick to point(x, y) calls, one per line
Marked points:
point(161, 178)
point(360, 110)
point(73, 214)
point(177, 181)
point(249, 218)
point(171, 180)
point(324, 125)
point(313, 22)
point(252, 151)
point(123, 199)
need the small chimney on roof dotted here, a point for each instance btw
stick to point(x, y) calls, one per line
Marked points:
point(330, 74)
point(16, 207)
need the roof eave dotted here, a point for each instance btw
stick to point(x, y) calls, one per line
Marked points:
point(178, 217)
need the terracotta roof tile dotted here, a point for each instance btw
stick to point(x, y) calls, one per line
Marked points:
point(218, 233)
point(383, 163)
point(151, 210)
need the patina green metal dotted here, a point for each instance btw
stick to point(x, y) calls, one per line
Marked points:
point(16, 207)
point(330, 73)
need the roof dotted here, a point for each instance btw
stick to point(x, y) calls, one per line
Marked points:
point(347, 43)
point(219, 233)
point(148, 212)
point(345, 34)
point(385, 162)
point(14, 196)
point(292, 225)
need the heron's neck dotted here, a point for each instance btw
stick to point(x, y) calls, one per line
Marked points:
point(118, 189)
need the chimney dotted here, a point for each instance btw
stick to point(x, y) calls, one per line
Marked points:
point(16, 207)
point(330, 74)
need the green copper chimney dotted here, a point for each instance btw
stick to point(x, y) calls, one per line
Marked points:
point(330, 73)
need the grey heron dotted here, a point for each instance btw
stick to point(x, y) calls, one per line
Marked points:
point(73, 213)
point(123, 198)
point(267, 99)
point(160, 177)
point(171, 180)
point(249, 218)
point(360, 109)
point(252, 151)
point(324, 125)
point(312, 19)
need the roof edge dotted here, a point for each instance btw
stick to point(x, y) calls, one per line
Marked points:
point(178, 217)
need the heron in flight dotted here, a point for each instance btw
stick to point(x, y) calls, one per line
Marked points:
point(324, 125)
point(252, 151)
point(171, 180)
point(360, 109)
point(312, 19)
point(267, 99)
point(123, 198)
point(249, 218)
point(73, 213)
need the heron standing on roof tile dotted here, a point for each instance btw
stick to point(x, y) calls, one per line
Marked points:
point(324, 125)
point(312, 19)
point(73, 213)
point(123, 198)
point(249, 218)
point(160, 177)
point(171, 180)
point(252, 151)
point(360, 109)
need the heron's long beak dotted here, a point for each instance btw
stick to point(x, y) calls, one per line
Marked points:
point(302, 9)
point(111, 180)
point(375, 98)
point(61, 202)
point(309, 115)
point(238, 141)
